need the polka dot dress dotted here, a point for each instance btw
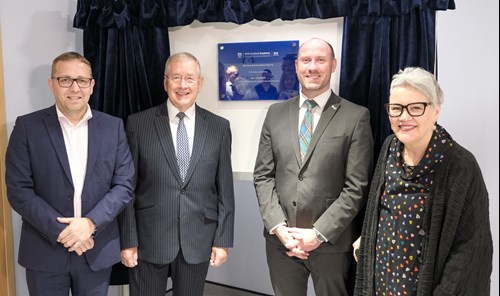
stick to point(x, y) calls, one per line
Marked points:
point(401, 214)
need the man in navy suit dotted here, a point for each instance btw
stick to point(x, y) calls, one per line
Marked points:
point(69, 173)
point(182, 218)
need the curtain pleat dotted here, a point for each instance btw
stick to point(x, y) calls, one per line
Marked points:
point(184, 12)
point(374, 49)
point(127, 45)
point(396, 7)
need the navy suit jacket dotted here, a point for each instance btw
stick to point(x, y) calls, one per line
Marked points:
point(40, 189)
point(168, 215)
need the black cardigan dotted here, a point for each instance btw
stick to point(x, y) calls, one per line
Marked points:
point(457, 247)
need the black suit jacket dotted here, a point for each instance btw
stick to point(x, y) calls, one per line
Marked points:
point(168, 215)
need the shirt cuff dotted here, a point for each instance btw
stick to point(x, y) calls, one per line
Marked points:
point(274, 228)
point(319, 233)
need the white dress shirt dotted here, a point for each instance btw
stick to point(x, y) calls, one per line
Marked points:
point(189, 121)
point(76, 141)
point(316, 111)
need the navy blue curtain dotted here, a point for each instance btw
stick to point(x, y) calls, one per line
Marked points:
point(374, 49)
point(127, 44)
point(242, 11)
point(183, 12)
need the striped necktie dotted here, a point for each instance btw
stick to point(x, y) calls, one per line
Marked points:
point(183, 155)
point(306, 128)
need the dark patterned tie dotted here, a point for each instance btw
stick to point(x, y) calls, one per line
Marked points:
point(306, 128)
point(182, 146)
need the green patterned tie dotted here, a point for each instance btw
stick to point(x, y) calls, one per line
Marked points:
point(306, 128)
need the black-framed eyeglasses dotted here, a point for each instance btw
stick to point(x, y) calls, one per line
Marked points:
point(413, 109)
point(67, 82)
point(177, 79)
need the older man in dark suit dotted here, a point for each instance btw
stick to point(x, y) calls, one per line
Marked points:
point(69, 174)
point(183, 215)
point(311, 177)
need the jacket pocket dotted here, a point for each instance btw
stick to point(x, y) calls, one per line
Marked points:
point(211, 215)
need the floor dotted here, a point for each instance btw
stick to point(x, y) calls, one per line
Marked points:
point(212, 289)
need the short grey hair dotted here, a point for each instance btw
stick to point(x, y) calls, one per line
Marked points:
point(182, 56)
point(422, 81)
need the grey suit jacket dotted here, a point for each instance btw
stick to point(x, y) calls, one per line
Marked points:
point(168, 215)
point(329, 188)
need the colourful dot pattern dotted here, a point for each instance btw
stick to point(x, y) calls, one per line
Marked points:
point(401, 214)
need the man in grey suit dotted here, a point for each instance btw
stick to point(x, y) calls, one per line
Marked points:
point(311, 179)
point(182, 218)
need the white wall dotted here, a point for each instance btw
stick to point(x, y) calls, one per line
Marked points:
point(468, 73)
point(34, 32)
point(246, 117)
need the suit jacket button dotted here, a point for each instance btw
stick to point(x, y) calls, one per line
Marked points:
point(301, 177)
point(294, 203)
point(183, 191)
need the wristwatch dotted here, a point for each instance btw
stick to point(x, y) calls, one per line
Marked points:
point(95, 226)
point(319, 236)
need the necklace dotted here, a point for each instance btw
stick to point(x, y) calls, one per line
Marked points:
point(408, 169)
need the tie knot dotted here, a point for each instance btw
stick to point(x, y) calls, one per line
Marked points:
point(181, 115)
point(310, 104)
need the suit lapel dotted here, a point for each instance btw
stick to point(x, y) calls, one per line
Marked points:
point(329, 111)
point(94, 145)
point(56, 137)
point(162, 128)
point(293, 118)
point(200, 134)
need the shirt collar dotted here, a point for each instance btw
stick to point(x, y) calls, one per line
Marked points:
point(320, 100)
point(86, 116)
point(173, 111)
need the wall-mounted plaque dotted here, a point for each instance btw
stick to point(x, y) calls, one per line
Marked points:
point(258, 70)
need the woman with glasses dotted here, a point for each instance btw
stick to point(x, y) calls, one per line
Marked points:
point(426, 229)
